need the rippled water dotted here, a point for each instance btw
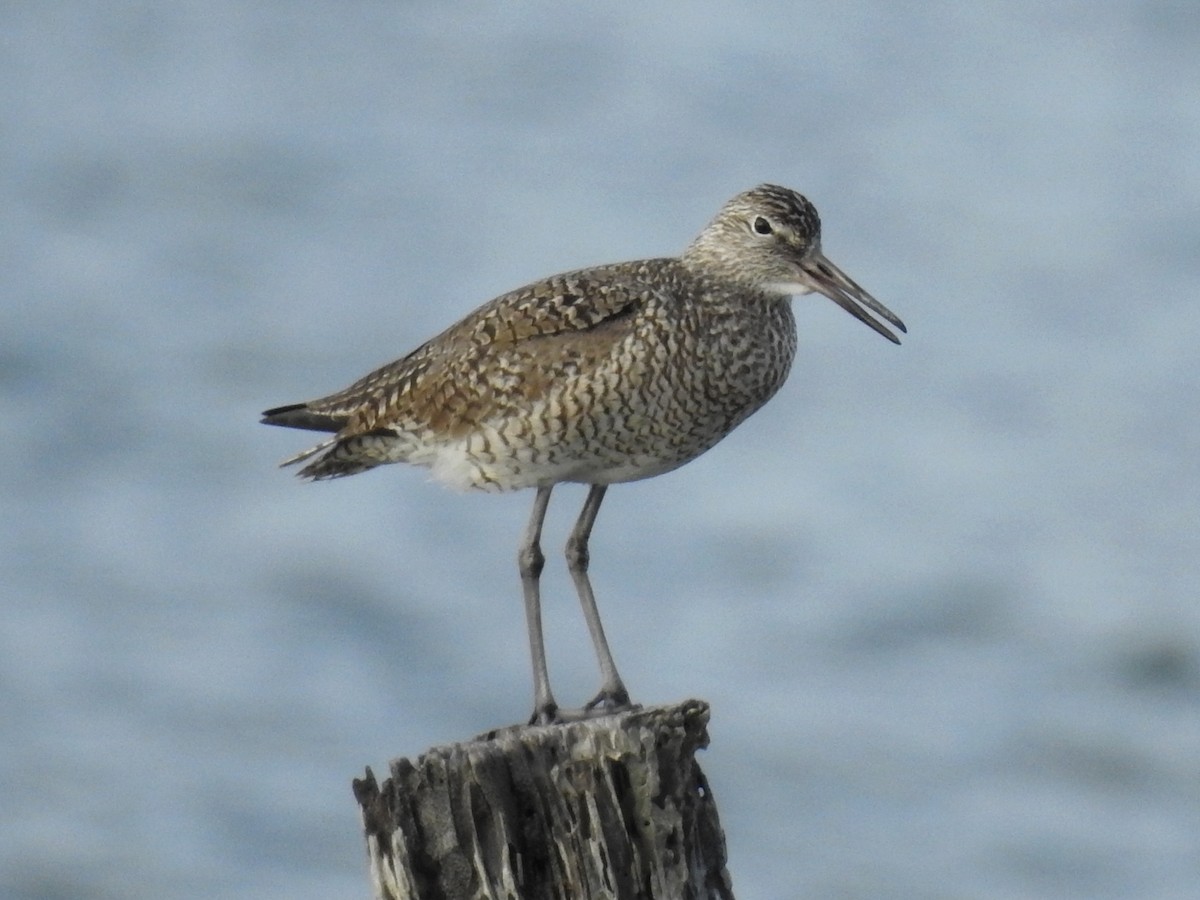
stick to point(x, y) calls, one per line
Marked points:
point(941, 597)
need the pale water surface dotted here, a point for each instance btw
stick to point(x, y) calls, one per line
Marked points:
point(942, 597)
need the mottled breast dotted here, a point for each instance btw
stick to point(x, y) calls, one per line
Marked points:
point(637, 394)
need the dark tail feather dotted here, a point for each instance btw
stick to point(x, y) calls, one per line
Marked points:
point(335, 456)
point(334, 465)
point(339, 456)
point(298, 415)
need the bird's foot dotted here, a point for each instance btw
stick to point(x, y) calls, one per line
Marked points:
point(606, 703)
point(546, 713)
point(610, 700)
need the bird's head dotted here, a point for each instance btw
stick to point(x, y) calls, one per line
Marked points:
point(769, 239)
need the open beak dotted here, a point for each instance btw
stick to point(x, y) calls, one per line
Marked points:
point(824, 277)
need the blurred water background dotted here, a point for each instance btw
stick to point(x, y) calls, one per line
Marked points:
point(942, 597)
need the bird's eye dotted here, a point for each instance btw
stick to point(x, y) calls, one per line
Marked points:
point(762, 226)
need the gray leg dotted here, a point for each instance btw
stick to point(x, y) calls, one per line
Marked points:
point(612, 691)
point(530, 561)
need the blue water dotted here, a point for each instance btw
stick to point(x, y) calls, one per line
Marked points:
point(942, 597)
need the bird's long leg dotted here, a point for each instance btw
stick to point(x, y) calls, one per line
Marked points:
point(613, 695)
point(530, 560)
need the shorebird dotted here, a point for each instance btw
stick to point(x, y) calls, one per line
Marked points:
point(597, 376)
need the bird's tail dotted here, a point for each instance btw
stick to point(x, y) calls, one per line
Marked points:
point(305, 454)
point(301, 415)
point(337, 456)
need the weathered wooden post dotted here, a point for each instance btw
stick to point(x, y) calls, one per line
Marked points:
point(612, 807)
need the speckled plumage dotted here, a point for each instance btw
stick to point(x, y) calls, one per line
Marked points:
point(599, 376)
